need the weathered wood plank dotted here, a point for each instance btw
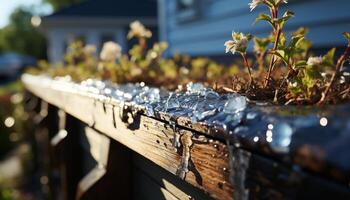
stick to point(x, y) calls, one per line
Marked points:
point(174, 149)
point(164, 179)
point(256, 172)
point(145, 188)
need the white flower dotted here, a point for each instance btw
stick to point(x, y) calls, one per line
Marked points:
point(138, 30)
point(90, 49)
point(255, 3)
point(110, 52)
point(238, 43)
point(312, 61)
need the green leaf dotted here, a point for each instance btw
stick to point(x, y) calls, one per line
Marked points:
point(261, 43)
point(300, 64)
point(295, 86)
point(283, 40)
point(264, 17)
point(281, 54)
point(249, 36)
point(301, 31)
point(286, 16)
point(347, 36)
point(328, 59)
point(311, 76)
point(296, 41)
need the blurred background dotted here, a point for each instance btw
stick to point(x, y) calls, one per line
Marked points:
point(34, 30)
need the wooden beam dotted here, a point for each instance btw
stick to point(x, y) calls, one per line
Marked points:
point(201, 161)
point(192, 152)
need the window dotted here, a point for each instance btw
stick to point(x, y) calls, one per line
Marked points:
point(187, 10)
point(184, 4)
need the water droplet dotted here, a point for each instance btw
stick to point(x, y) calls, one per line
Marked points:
point(280, 137)
point(107, 91)
point(323, 121)
point(9, 122)
point(270, 126)
point(251, 115)
point(199, 115)
point(44, 180)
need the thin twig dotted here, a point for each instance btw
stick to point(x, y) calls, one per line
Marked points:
point(277, 32)
point(246, 63)
point(339, 65)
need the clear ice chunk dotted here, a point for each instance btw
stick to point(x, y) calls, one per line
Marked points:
point(235, 103)
point(200, 115)
point(148, 95)
point(196, 88)
point(172, 102)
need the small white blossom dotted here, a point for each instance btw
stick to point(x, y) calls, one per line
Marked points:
point(111, 51)
point(138, 30)
point(312, 61)
point(238, 43)
point(90, 49)
point(255, 3)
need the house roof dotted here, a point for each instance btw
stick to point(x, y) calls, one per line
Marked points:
point(109, 8)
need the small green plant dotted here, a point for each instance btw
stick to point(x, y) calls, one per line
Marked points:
point(239, 44)
point(340, 63)
point(291, 75)
point(283, 71)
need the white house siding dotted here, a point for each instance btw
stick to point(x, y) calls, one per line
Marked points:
point(326, 19)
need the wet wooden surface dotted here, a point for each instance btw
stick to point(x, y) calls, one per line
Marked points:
point(208, 162)
point(219, 169)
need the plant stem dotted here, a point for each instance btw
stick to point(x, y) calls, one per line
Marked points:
point(143, 44)
point(260, 60)
point(339, 65)
point(277, 32)
point(245, 59)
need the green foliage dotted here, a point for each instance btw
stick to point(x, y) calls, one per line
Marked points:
point(328, 59)
point(274, 21)
point(261, 44)
point(21, 37)
point(7, 194)
point(265, 17)
point(59, 4)
point(11, 106)
point(295, 76)
point(302, 74)
point(286, 52)
point(286, 16)
point(347, 35)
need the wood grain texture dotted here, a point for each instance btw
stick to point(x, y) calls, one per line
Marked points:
point(208, 166)
point(199, 155)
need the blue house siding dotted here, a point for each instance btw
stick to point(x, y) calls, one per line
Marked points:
point(327, 19)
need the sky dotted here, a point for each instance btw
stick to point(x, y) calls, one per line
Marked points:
point(8, 6)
